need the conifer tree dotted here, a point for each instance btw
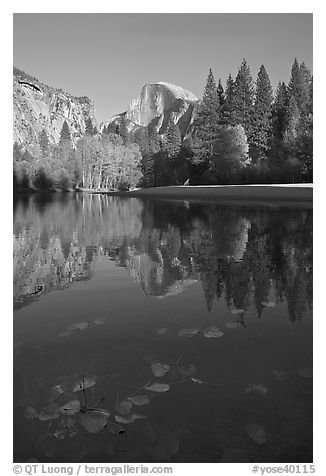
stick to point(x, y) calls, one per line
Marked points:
point(90, 130)
point(172, 139)
point(292, 127)
point(279, 112)
point(44, 143)
point(244, 98)
point(65, 133)
point(261, 127)
point(207, 120)
point(220, 92)
point(228, 109)
point(299, 85)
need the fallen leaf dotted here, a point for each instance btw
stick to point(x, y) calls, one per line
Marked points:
point(139, 400)
point(99, 321)
point(268, 304)
point(252, 388)
point(124, 407)
point(305, 372)
point(279, 374)
point(213, 331)
point(55, 392)
point(129, 418)
point(93, 421)
point(30, 413)
point(79, 325)
point(256, 433)
point(49, 413)
point(232, 325)
point(66, 428)
point(84, 382)
point(188, 332)
point(115, 428)
point(70, 408)
point(159, 369)
point(158, 387)
point(65, 333)
point(196, 380)
point(187, 371)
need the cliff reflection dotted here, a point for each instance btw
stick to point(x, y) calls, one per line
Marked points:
point(241, 255)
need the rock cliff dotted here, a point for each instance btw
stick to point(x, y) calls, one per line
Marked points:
point(37, 106)
point(156, 105)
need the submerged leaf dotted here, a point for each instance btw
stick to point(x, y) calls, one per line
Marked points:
point(187, 371)
point(55, 392)
point(139, 400)
point(158, 387)
point(115, 428)
point(85, 382)
point(70, 408)
point(252, 388)
point(30, 413)
point(129, 418)
point(162, 330)
point(65, 333)
point(188, 332)
point(66, 428)
point(93, 421)
point(99, 321)
point(268, 304)
point(79, 325)
point(232, 325)
point(256, 432)
point(49, 413)
point(159, 369)
point(196, 380)
point(124, 407)
point(237, 311)
point(305, 372)
point(280, 374)
point(213, 331)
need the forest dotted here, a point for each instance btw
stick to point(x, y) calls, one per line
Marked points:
point(242, 133)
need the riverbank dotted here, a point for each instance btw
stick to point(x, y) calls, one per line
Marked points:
point(292, 194)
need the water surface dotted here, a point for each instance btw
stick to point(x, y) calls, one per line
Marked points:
point(102, 288)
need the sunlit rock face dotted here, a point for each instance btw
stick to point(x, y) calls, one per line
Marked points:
point(37, 106)
point(156, 105)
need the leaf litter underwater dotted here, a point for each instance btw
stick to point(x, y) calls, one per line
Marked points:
point(95, 418)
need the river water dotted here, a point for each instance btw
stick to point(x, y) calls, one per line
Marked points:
point(202, 311)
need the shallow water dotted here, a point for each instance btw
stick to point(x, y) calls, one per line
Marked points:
point(144, 271)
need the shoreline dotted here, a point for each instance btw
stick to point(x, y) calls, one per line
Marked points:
point(279, 194)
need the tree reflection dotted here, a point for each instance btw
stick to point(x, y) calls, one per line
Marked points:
point(244, 255)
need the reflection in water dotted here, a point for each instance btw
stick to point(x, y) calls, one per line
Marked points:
point(243, 255)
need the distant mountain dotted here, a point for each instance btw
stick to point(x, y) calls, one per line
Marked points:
point(156, 105)
point(38, 106)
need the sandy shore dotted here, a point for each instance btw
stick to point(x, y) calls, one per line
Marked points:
point(295, 194)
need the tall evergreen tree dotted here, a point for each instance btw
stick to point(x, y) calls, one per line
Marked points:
point(44, 143)
point(279, 112)
point(90, 130)
point(261, 128)
point(172, 139)
point(292, 127)
point(220, 92)
point(299, 85)
point(65, 133)
point(207, 120)
point(244, 98)
point(228, 109)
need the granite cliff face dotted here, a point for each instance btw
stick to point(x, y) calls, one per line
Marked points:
point(38, 106)
point(156, 105)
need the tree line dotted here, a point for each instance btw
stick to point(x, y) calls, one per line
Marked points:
point(241, 133)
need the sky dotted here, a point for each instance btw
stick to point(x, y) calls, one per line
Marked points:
point(109, 57)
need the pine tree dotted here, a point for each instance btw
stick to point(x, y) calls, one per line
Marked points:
point(44, 143)
point(228, 109)
point(207, 120)
point(90, 130)
point(261, 128)
point(292, 127)
point(65, 133)
point(172, 139)
point(279, 112)
point(220, 92)
point(244, 98)
point(299, 85)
